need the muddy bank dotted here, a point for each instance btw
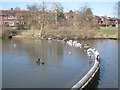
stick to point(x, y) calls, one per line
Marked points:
point(20, 36)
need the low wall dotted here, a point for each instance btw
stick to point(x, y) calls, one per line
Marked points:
point(91, 73)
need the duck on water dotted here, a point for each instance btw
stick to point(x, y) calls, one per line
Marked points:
point(40, 61)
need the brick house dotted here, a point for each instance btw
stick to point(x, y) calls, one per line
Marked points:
point(11, 17)
point(103, 20)
point(97, 19)
point(71, 17)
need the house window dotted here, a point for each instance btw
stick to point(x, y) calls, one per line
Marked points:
point(22, 22)
point(16, 17)
point(6, 22)
point(16, 22)
point(10, 17)
point(21, 17)
point(11, 23)
point(5, 17)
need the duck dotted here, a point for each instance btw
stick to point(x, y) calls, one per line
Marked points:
point(69, 53)
point(74, 42)
point(86, 46)
point(69, 42)
point(49, 38)
point(77, 45)
point(14, 45)
point(38, 61)
point(42, 62)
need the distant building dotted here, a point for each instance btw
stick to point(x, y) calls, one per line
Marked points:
point(97, 19)
point(11, 17)
point(104, 20)
point(71, 17)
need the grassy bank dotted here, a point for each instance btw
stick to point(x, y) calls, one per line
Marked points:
point(102, 31)
point(97, 33)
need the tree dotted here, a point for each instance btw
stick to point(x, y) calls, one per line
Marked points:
point(19, 17)
point(31, 16)
point(33, 9)
point(42, 19)
point(50, 18)
point(58, 9)
point(84, 17)
point(70, 11)
point(36, 17)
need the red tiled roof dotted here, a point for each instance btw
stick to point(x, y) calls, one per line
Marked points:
point(65, 14)
point(12, 12)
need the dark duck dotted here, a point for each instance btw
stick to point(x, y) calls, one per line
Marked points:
point(40, 61)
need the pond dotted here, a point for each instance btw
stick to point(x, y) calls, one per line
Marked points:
point(61, 70)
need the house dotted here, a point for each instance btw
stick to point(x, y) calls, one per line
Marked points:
point(66, 15)
point(105, 20)
point(12, 17)
point(97, 19)
point(71, 17)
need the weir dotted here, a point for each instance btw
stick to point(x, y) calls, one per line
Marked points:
point(91, 73)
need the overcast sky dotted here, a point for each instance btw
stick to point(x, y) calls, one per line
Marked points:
point(99, 7)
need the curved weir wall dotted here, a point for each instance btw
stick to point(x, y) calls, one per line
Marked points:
point(91, 73)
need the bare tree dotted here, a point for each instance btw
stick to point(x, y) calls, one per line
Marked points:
point(43, 7)
point(36, 17)
point(31, 17)
point(58, 9)
point(84, 17)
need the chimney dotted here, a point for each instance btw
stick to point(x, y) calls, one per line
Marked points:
point(11, 9)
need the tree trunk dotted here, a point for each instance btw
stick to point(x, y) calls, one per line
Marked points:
point(42, 22)
point(41, 31)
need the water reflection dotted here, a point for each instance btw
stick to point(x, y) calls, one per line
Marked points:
point(20, 69)
point(109, 58)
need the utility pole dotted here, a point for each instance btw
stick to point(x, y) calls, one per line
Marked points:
point(56, 21)
point(56, 15)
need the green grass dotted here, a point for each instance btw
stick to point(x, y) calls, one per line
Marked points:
point(102, 31)
point(110, 31)
point(29, 32)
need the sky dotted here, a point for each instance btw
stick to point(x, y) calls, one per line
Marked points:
point(99, 7)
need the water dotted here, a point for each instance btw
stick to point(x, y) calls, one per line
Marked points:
point(20, 70)
point(108, 49)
